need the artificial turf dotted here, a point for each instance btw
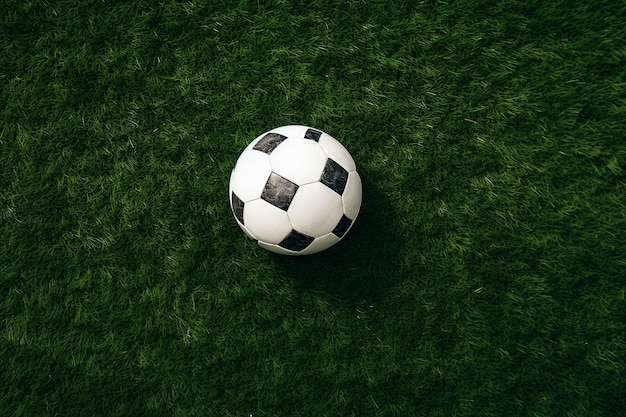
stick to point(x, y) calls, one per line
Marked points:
point(486, 273)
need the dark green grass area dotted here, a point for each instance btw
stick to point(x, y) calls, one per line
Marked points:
point(485, 276)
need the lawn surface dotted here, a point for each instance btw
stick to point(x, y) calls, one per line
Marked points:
point(486, 273)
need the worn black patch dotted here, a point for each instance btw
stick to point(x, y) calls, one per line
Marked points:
point(342, 227)
point(313, 135)
point(237, 206)
point(269, 142)
point(279, 191)
point(334, 176)
point(296, 241)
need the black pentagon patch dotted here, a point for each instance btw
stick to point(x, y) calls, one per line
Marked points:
point(334, 176)
point(296, 241)
point(313, 135)
point(342, 227)
point(237, 206)
point(279, 191)
point(269, 142)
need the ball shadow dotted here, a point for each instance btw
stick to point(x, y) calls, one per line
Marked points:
point(361, 267)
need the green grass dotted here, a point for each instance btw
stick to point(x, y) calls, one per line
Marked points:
point(486, 274)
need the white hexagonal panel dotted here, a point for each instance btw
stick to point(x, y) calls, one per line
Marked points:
point(299, 160)
point(337, 152)
point(352, 195)
point(266, 222)
point(315, 210)
point(250, 175)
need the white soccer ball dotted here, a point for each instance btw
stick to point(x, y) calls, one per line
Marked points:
point(295, 190)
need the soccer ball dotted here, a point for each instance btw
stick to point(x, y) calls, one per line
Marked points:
point(295, 190)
